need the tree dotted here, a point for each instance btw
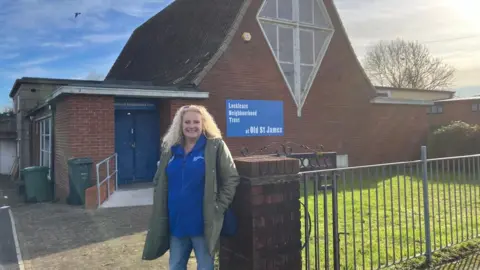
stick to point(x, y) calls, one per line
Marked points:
point(7, 111)
point(407, 64)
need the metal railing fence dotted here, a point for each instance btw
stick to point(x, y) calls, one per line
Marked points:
point(371, 217)
point(108, 176)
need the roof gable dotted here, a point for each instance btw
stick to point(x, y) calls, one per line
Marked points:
point(178, 43)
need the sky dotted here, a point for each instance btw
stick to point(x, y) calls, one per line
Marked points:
point(42, 38)
point(449, 28)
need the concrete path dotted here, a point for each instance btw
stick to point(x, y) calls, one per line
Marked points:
point(130, 197)
point(8, 198)
point(8, 253)
point(56, 236)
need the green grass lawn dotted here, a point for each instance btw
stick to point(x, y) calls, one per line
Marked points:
point(381, 214)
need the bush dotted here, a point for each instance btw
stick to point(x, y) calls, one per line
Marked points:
point(455, 139)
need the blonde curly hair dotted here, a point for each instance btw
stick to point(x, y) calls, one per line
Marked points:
point(174, 134)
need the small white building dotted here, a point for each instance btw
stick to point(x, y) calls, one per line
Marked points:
point(8, 150)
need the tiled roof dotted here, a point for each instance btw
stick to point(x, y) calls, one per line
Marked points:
point(176, 44)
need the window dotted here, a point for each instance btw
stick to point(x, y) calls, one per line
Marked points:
point(45, 142)
point(384, 93)
point(435, 109)
point(475, 107)
point(298, 33)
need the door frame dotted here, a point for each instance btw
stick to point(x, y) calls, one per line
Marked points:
point(137, 104)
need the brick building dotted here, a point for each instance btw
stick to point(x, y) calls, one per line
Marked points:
point(234, 50)
point(414, 94)
point(7, 143)
point(445, 111)
point(248, 52)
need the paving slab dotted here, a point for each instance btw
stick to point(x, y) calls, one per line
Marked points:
point(130, 197)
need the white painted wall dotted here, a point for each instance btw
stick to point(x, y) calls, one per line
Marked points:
point(7, 155)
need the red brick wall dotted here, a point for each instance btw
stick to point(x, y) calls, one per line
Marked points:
point(337, 112)
point(84, 127)
point(268, 209)
point(454, 111)
point(91, 194)
point(165, 117)
point(395, 133)
point(62, 139)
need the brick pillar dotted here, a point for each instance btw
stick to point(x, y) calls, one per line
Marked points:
point(268, 209)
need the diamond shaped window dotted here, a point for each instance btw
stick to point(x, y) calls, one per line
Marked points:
point(298, 32)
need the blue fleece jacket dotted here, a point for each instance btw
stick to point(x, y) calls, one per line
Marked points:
point(186, 185)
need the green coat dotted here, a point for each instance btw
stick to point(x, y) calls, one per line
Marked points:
point(215, 200)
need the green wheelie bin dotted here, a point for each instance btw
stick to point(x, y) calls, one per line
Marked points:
point(79, 174)
point(38, 186)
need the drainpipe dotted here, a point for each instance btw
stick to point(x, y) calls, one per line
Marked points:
point(52, 153)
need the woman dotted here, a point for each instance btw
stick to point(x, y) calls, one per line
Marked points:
point(189, 203)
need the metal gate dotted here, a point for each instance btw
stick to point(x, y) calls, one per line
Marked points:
point(318, 241)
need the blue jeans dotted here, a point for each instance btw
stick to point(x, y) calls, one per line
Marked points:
point(180, 249)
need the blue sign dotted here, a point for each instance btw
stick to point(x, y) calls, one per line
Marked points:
point(249, 118)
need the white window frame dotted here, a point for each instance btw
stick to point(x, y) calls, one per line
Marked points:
point(475, 107)
point(298, 96)
point(435, 109)
point(45, 124)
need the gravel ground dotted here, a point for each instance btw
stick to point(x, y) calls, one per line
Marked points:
point(56, 236)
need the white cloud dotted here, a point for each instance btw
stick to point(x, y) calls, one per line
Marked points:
point(95, 69)
point(28, 72)
point(449, 29)
point(106, 38)
point(90, 75)
point(9, 56)
point(38, 61)
point(27, 14)
point(36, 29)
point(93, 75)
point(133, 8)
point(62, 45)
point(468, 77)
point(47, 21)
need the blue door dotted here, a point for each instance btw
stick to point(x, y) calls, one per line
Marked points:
point(124, 145)
point(147, 142)
point(137, 142)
